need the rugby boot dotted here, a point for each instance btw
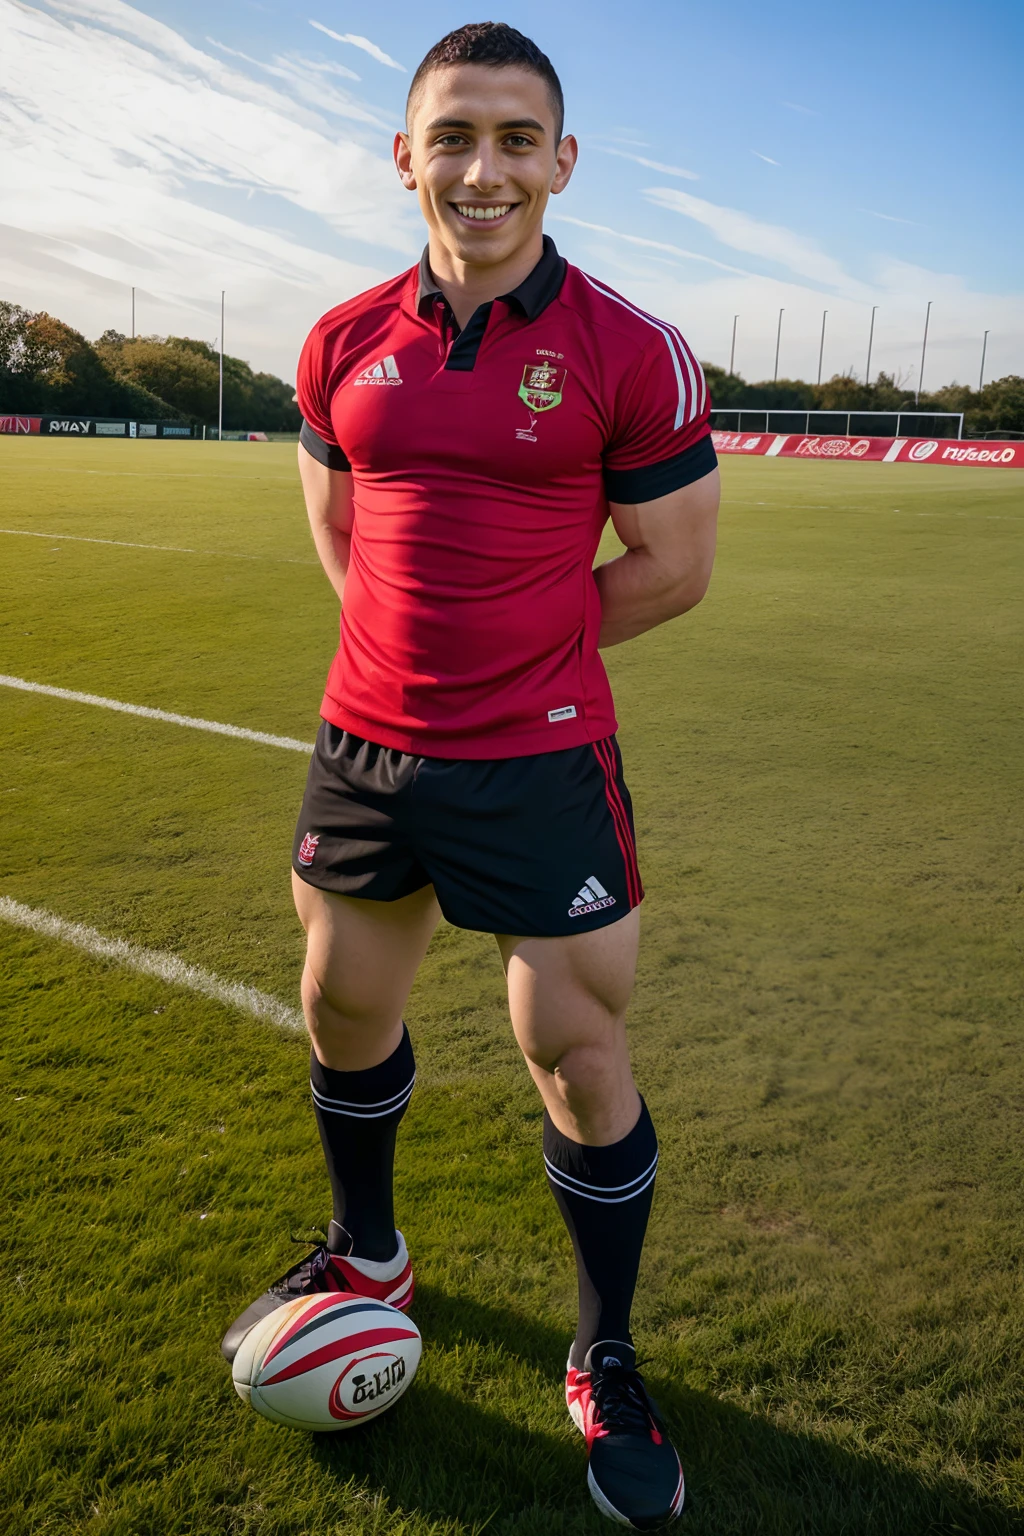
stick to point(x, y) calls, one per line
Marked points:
point(634, 1476)
point(324, 1271)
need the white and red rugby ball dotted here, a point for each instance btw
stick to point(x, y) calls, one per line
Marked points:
point(327, 1362)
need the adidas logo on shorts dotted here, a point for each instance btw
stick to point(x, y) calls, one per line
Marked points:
point(591, 897)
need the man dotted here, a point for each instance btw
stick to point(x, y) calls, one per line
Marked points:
point(469, 427)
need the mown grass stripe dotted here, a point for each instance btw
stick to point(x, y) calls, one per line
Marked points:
point(216, 726)
point(151, 962)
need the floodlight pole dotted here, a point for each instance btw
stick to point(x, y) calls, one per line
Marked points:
point(981, 375)
point(778, 343)
point(133, 314)
point(821, 349)
point(924, 348)
point(871, 337)
point(220, 383)
point(732, 349)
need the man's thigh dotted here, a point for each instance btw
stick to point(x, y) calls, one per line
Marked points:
point(362, 958)
point(571, 992)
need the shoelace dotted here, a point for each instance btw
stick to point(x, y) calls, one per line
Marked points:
point(311, 1271)
point(621, 1400)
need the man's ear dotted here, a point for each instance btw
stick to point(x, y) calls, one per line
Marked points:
point(565, 162)
point(403, 160)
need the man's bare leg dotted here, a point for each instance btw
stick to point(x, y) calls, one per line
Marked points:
point(361, 960)
point(568, 999)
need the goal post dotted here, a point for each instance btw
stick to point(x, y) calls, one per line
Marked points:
point(843, 423)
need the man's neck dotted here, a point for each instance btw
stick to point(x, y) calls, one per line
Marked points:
point(466, 287)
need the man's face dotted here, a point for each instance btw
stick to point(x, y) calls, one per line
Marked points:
point(481, 152)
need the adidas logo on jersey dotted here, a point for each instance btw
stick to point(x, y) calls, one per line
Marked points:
point(591, 897)
point(384, 372)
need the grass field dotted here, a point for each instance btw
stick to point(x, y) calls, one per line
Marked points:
point(826, 761)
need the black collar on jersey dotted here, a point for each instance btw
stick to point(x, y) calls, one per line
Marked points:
point(532, 297)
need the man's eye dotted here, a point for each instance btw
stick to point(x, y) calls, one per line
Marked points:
point(518, 141)
point(451, 138)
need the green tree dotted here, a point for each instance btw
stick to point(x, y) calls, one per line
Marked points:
point(186, 373)
point(185, 378)
point(50, 368)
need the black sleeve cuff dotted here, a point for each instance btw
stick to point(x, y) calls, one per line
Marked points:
point(630, 486)
point(324, 453)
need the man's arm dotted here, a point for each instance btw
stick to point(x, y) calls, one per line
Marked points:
point(666, 567)
point(328, 494)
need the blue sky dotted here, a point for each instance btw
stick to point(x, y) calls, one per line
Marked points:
point(734, 160)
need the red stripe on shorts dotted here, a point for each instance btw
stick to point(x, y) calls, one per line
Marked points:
point(623, 830)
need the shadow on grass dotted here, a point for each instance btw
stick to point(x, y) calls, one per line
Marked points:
point(467, 1462)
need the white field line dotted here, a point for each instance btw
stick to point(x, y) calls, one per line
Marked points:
point(167, 549)
point(151, 962)
point(263, 737)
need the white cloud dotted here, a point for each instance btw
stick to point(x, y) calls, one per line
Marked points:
point(650, 245)
point(703, 306)
point(772, 242)
point(125, 152)
point(650, 165)
point(890, 218)
point(794, 106)
point(284, 69)
point(766, 158)
point(364, 43)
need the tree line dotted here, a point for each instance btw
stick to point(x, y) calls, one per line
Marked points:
point(999, 407)
point(47, 368)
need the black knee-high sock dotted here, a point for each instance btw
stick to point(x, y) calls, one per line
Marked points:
point(357, 1114)
point(604, 1195)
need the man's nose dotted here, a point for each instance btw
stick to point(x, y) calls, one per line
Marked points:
point(484, 172)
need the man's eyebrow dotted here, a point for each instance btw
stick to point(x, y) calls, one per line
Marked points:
point(461, 122)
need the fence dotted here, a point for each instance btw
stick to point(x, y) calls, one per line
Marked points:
point(89, 426)
point(827, 423)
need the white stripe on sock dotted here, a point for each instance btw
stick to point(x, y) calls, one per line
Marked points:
point(363, 1111)
point(594, 1191)
point(151, 962)
point(585, 1194)
point(263, 737)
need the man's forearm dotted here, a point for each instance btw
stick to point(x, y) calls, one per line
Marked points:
point(637, 594)
point(334, 549)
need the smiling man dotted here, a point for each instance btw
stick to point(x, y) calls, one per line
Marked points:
point(469, 428)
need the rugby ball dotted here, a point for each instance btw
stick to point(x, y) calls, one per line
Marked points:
point(327, 1362)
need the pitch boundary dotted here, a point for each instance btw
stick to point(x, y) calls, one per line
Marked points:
point(166, 549)
point(264, 738)
point(152, 962)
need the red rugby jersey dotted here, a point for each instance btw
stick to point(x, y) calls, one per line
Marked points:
point(483, 461)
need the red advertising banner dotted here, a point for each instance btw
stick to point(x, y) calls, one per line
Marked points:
point(15, 426)
point(884, 450)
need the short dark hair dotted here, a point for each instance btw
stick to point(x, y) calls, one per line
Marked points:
point(499, 46)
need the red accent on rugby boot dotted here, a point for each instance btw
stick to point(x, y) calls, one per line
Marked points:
point(331, 1273)
point(634, 1476)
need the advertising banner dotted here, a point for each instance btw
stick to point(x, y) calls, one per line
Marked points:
point(91, 426)
point(67, 426)
point(884, 450)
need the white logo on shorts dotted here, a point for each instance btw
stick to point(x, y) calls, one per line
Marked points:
point(591, 897)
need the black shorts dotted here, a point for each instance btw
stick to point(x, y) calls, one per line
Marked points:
point(540, 845)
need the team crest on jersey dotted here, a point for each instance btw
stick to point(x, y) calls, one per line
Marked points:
point(307, 849)
point(542, 386)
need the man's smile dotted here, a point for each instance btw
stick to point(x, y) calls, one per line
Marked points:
point(484, 213)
